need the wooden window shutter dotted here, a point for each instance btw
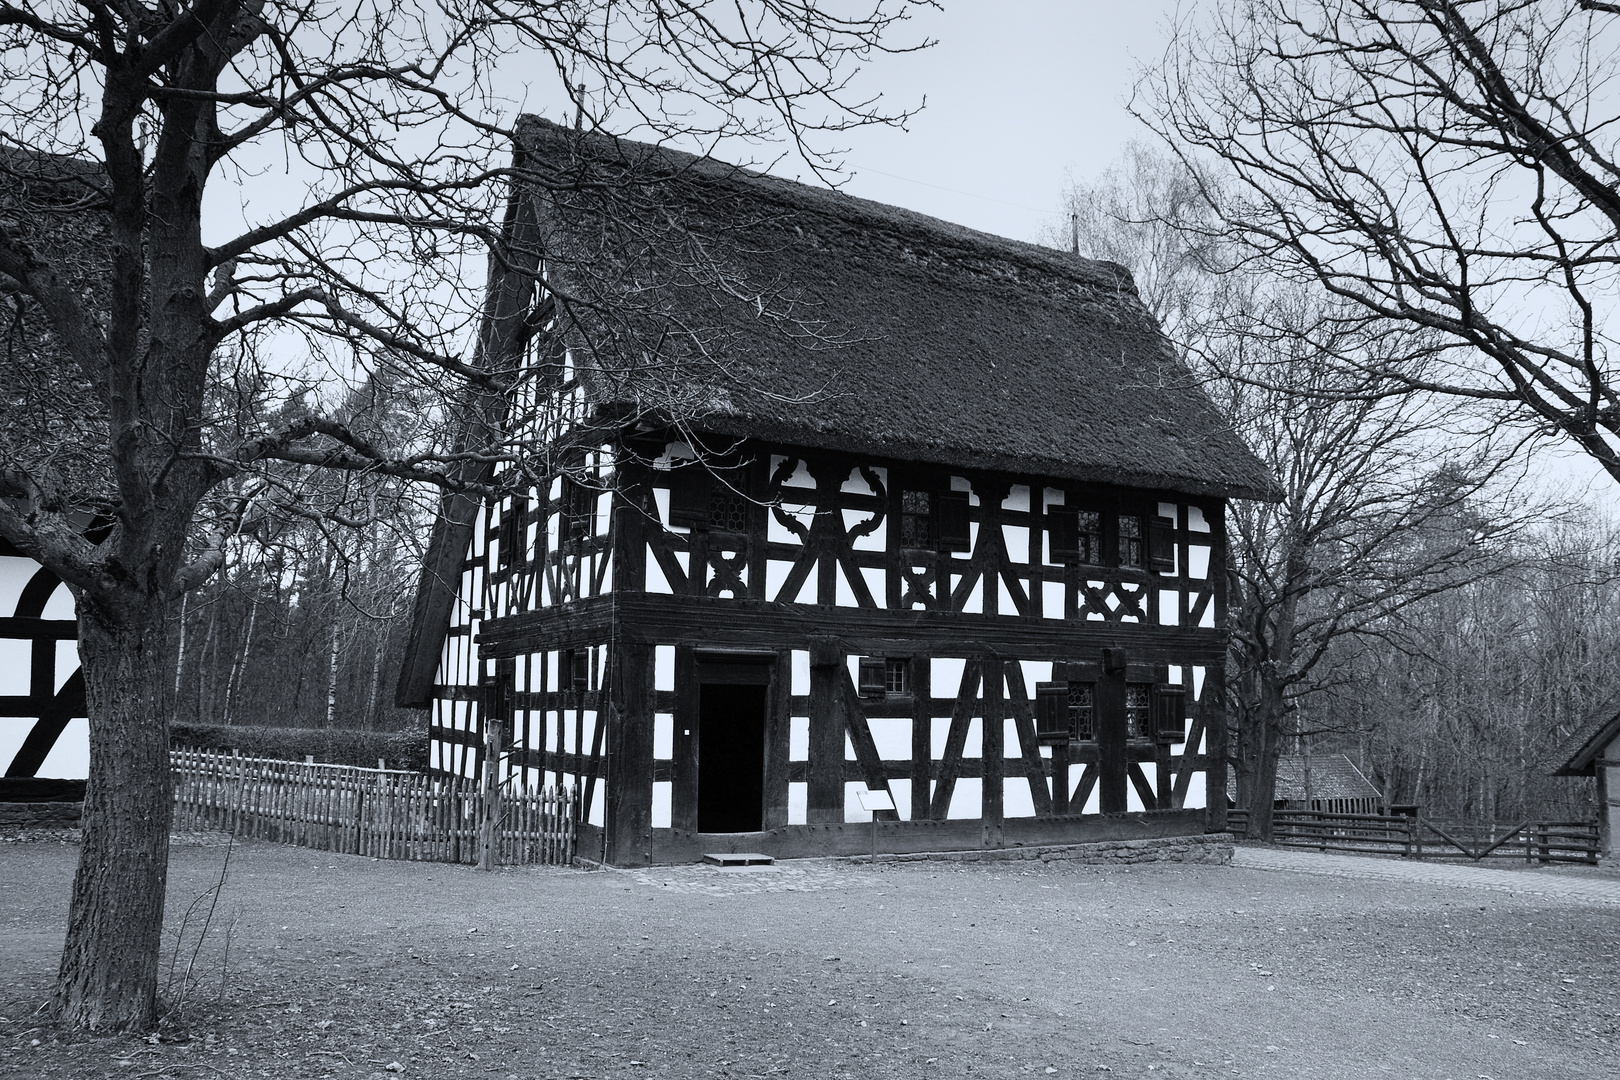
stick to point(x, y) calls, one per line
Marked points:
point(1052, 710)
point(871, 676)
point(1161, 544)
point(954, 532)
point(1170, 713)
point(689, 496)
point(1063, 533)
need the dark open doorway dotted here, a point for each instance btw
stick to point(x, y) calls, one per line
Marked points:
point(731, 757)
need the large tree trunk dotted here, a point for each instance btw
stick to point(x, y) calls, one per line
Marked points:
point(1263, 747)
point(108, 978)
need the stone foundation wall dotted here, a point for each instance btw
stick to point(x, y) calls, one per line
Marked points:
point(1209, 849)
point(40, 815)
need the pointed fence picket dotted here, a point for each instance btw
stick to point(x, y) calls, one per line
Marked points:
point(383, 813)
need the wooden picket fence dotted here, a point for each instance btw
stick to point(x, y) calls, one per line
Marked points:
point(1420, 838)
point(383, 813)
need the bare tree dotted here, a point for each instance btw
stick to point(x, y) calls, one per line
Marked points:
point(1448, 165)
point(1382, 501)
point(390, 145)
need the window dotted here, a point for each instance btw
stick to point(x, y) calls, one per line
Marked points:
point(1138, 711)
point(575, 677)
point(882, 675)
point(1082, 711)
point(1130, 540)
point(1170, 713)
point(729, 506)
point(576, 510)
point(916, 519)
point(514, 533)
point(895, 676)
point(1076, 535)
point(1065, 710)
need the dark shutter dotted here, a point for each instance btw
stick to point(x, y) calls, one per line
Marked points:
point(1161, 544)
point(871, 681)
point(689, 495)
point(1063, 533)
point(1170, 713)
point(954, 534)
point(513, 534)
point(1052, 710)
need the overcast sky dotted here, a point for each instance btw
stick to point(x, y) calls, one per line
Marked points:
point(1018, 92)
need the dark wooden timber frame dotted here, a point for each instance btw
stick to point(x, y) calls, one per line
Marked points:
point(769, 592)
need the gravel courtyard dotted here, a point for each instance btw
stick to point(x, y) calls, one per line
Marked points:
point(347, 967)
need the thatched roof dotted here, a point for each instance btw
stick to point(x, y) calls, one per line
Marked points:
point(851, 325)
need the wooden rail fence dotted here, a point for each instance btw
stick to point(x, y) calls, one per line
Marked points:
point(384, 813)
point(1420, 838)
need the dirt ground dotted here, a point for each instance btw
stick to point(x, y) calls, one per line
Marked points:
point(347, 967)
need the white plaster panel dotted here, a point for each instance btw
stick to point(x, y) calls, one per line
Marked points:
point(594, 813)
point(1015, 539)
point(67, 662)
point(844, 594)
point(892, 737)
point(15, 573)
point(1196, 521)
point(799, 738)
point(849, 748)
point(974, 604)
point(801, 477)
point(799, 662)
point(777, 533)
point(1052, 597)
point(809, 591)
point(661, 504)
point(656, 581)
point(662, 800)
point(435, 754)
point(1017, 498)
point(776, 572)
point(1196, 793)
point(1010, 746)
point(60, 605)
point(967, 799)
point(663, 667)
point(607, 573)
point(1197, 561)
point(1169, 607)
point(901, 790)
point(960, 483)
point(945, 675)
point(855, 484)
point(1207, 620)
point(1094, 800)
point(16, 656)
point(876, 584)
point(797, 802)
point(1133, 801)
point(1168, 510)
point(876, 540)
point(1016, 798)
point(1035, 671)
point(1004, 598)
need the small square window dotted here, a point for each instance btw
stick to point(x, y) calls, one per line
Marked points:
point(895, 676)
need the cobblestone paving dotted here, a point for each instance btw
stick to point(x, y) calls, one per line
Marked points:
point(1588, 886)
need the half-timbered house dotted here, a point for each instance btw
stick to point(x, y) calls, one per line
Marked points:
point(964, 547)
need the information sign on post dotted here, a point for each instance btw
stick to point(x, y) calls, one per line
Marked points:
point(872, 802)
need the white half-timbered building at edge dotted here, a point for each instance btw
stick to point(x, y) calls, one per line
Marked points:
point(966, 547)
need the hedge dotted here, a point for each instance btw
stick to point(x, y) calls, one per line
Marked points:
point(337, 746)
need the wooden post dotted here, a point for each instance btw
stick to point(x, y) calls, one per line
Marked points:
point(1111, 734)
point(825, 790)
point(489, 828)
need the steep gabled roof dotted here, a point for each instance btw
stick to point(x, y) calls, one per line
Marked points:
point(900, 335)
point(1579, 754)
